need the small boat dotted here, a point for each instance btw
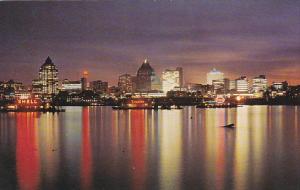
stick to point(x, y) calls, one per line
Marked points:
point(229, 126)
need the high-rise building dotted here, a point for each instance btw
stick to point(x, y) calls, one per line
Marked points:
point(125, 83)
point(155, 83)
point(144, 75)
point(232, 85)
point(214, 75)
point(226, 85)
point(259, 84)
point(84, 81)
point(171, 79)
point(134, 83)
point(99, 86)
point(48, 79)
point(218, 86)
point(242, 85)
point(181, 80)
point(221, 86)
point(37, 87)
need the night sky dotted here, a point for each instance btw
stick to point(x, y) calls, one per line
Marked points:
point(238, 37)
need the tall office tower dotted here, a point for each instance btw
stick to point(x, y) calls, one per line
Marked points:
point(144, 75)
point(259, 84)
point(84, 81)
point(134, 83)
point(125, 83)
point(242, 85)
point(218, 86)
point(232, 85)
point(171, 79)
point(226, 85)
point(155, 83)
point(214, 75)
point(181, 80)
point(48, 79)
point(37, 87)
point(99, 86)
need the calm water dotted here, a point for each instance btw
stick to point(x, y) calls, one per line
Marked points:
point(98, 148)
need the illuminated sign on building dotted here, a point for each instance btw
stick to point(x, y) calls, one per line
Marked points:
point(28, 102)
point(139, 103)
point(220, 99)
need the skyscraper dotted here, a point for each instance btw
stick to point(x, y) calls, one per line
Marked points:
point(232, 85)
point(125, 83)
point(214, 75)
point(144, 76)
point(99, 86)
point(172, 79)
point(219, 86)
point(48, 79)
point(84, 81)
point(155, 83)
point(259, 84)
point(242, 85)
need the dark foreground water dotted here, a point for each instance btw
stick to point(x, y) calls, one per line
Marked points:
point(98, 148)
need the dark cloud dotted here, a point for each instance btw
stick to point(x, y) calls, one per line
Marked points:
point(112, 37)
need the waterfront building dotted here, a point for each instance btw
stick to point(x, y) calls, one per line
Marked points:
point(9, 89)
point(23, 95)
point(144, 76)
point(71, 86)
point(279, 86)
point(226, 85)
point(47, 83)
point(218, 86)
point(259, 85)
point(37, 87)
point(193, 87)
point(279, 89)
point(242, 85)
point(114, 91)
point(84, 81)
point(100, 87)
point(155, 83)
point(172, 79)
point(16, 86)
point(232, 85)
point(134, 83)
point(214, 75)
point(125, 83)
point(203, 89)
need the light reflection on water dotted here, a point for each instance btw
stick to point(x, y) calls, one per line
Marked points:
point(98, 148)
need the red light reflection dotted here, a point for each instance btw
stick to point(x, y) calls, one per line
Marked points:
point(27, 152)
point(86, 152)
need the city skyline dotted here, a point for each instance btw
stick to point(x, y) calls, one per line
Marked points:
point(149, 94)
point(108, 38)
point(86, 73)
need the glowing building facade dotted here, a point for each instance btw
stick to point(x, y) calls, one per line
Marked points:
point(214, 75)
point(242, 85)
point(172, 79)
point(71, 86)
point(259, 84)
point(125, 83)
point(48, 79)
